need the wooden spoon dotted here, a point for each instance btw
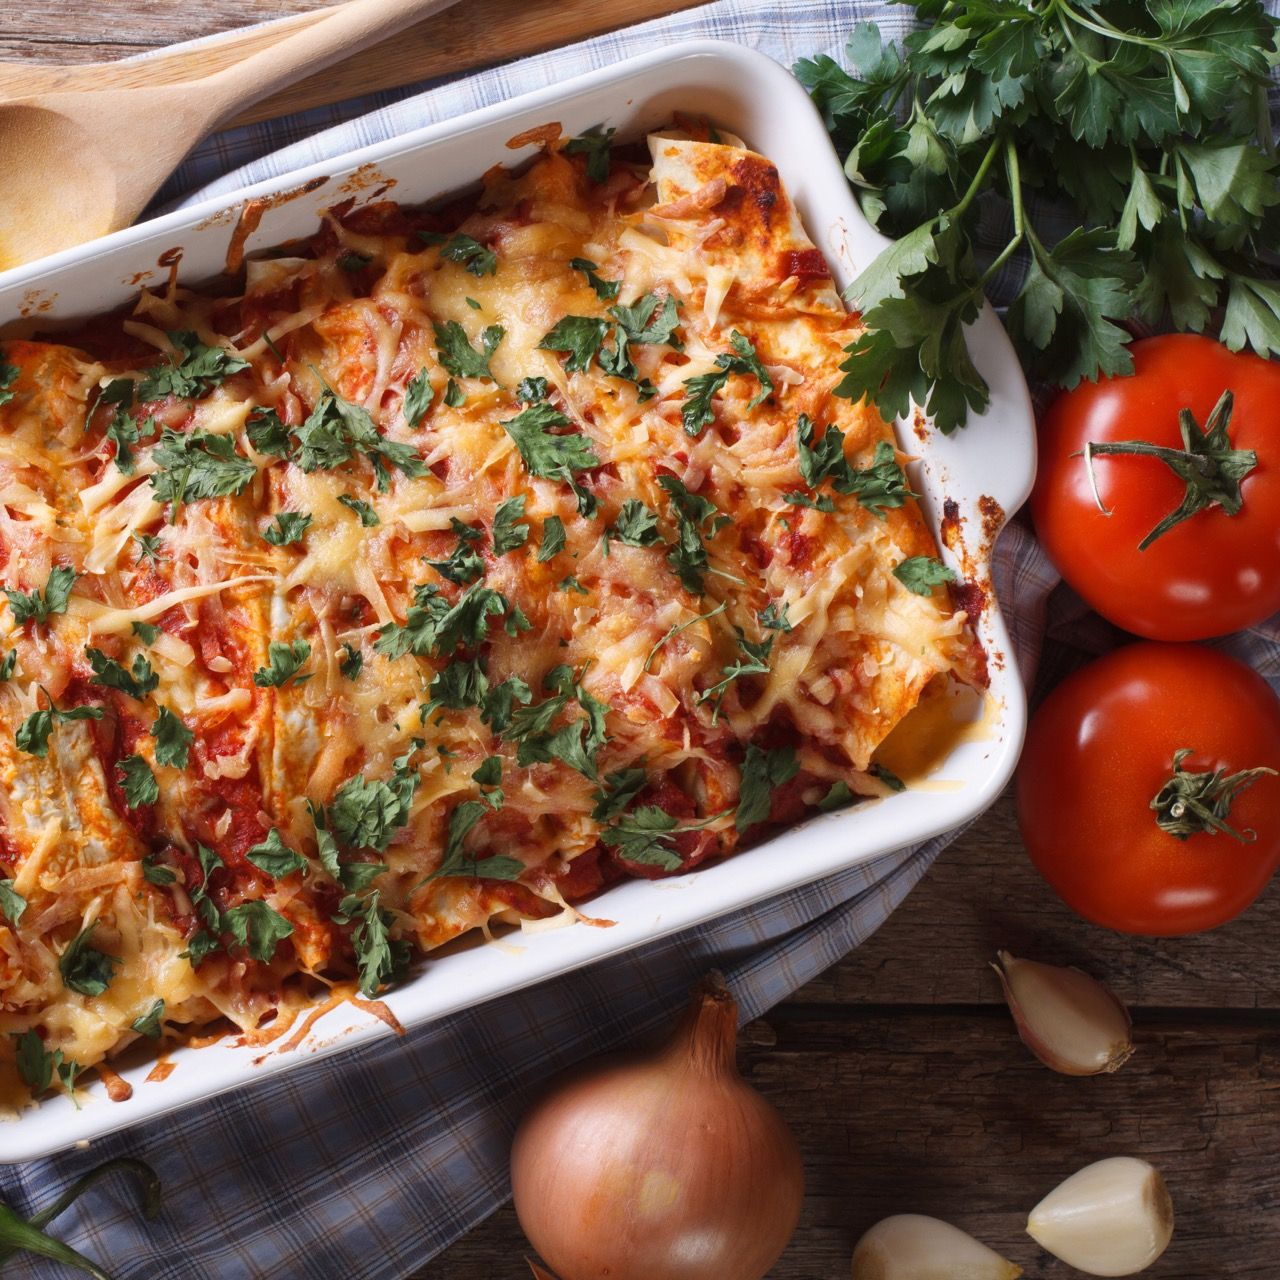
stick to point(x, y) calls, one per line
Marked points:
point(77, 165)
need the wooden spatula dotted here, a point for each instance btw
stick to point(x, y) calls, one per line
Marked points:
point(77, 165)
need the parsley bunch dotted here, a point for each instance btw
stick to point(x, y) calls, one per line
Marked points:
point(1147, 121)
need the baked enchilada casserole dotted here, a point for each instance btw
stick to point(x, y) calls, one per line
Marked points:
point(430, 575)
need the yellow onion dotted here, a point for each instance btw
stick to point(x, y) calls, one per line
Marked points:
point(664, 1165)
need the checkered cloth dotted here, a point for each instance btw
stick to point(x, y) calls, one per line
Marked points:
point(367, 1164)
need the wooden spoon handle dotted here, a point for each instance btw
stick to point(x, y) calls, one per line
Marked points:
point(352, 27)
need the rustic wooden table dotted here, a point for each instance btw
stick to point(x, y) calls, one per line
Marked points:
point(898, 1068)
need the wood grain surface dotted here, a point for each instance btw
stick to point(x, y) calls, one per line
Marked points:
point(472, 34)
point(898, 1067)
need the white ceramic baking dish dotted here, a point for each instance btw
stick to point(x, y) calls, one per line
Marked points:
point(978, 474)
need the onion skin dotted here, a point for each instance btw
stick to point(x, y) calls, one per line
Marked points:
point(660, 1166)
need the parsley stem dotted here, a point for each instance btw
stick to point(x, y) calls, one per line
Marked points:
point(1014, 172)
point(1099, 26)
point(958, 209)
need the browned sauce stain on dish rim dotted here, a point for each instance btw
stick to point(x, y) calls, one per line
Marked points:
point(251, 213)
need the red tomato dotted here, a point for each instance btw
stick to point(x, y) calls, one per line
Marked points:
point(1214, 572)
point(1099, 750)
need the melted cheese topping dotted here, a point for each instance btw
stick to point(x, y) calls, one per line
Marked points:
point(358, 311)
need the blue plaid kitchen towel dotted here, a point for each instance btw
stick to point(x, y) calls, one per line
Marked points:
point(366, 1165)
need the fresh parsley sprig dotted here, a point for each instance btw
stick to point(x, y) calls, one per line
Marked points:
point(1146, 121)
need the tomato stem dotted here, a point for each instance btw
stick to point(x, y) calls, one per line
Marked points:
point(1198, 803)
point(1207, 464)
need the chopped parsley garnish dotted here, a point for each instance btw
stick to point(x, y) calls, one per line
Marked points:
point(879, 487)
point(352, 261)
point(124, 431)
point(595, 145)
point(837, 797)
point(553, 456)
point(773, 618)
point(366, 813)
point(137, 683)
point(678, 627)
point(454, 396)
point(198, 464)
point(553, 539)
point(148, 1024)
point(754, 662)
point(635, 525)
point(417, 398)
point(434, 627)
point(498, 705)
point(920, 574)
point(463, 683)
point(820, 503)
point(275, 857)
point(12, 903)
point(148, 547)
point(578, 337)
point(531, 390)
point(37, 606)
point(509, 531)
point(645, 835)
point(695, 516)
point(702, 389)
point(147, 632)
point(368, 516)
point(137, 781)
point(32, 735)
point(287, 527)
point(571, 583)
point(173, 739)
point(459, 357)
point(85, 969)
point(888, 777)
point(465, 251)
point(617, 363)
point(380, 958)
point(616, 792)
point(257, 927)
point(699, 392)
point(155, 872)
point(9, 665)
point(267, 433)
point(284, 661)
point(575, 743)
point(41, 1068)
point(352, 662)
point(761, 772)
point(606, 290)
point(8, 376)
point(465, 564)
point(336, 430)
point(196, 370)
point(456, 861)
point(650, 320)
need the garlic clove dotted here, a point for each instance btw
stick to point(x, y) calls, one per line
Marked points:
point(1113, 1218)
point(910, 1246)
point(1070, 1021)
